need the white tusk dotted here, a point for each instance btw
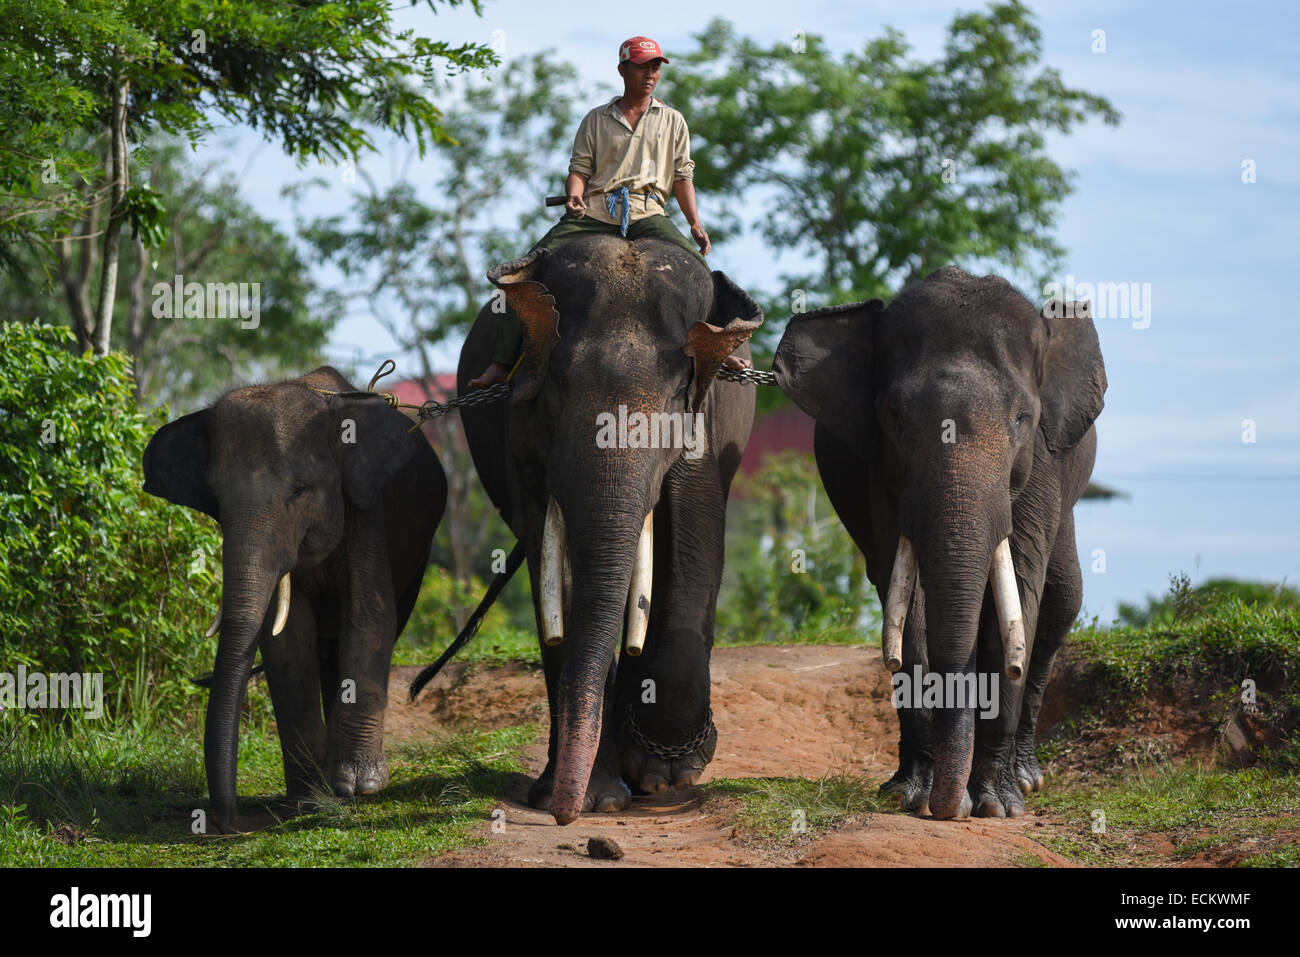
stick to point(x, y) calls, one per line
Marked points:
point(216, 623)
point(281, 606)
point(901, 582)
point(554, 575)
point(638, 593)
point(1002, 575)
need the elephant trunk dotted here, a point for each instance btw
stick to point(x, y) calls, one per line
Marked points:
point(953, 599)
point(246, 598)
point(602, 546)
point(955, 544)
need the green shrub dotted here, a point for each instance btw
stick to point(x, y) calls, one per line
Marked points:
point(1214, 639)
point(793, 573)
point(1184, 600)
point(95, 575)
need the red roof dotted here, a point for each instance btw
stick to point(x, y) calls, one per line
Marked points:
point(778, 431)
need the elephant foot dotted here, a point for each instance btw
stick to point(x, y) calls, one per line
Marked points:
point(606, 792)
point(1029, 776)
point(359, 774)
point(1000, 801)
point(653, 768)
point(909, 789)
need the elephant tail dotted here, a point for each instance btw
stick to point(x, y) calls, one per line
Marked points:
point(515, 559)
point(205, 681)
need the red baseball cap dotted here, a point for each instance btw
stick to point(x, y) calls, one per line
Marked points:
point(639, 50)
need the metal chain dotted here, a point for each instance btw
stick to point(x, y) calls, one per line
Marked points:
point(665, 751)
point(432, 409)
point(756, 376)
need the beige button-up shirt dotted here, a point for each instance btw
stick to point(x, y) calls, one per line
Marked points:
point(647, 160)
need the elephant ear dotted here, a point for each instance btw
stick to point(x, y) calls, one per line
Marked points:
point(823, 363)
point(375, 443)
point(732, 320)
point(176, 464)
point(535, 307)
point(1073, 377)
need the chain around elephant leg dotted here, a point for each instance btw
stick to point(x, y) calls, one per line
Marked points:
point(655, 766)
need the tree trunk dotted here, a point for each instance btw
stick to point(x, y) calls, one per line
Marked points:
point(108, 273)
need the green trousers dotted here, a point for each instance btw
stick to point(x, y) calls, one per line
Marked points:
point(511, 339)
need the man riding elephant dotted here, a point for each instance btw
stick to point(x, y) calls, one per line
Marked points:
point(628, 155)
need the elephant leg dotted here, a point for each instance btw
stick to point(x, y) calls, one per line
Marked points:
point(1062, 599)
point(292, 674)
point(668, 736)
point(356, 762)
point(993, 785)
point(910, 785)
point(606, 790)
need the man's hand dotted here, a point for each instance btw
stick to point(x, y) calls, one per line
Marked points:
point(575, 187)
point(493, 374)
point(701, 239)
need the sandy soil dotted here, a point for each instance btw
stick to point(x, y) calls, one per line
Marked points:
point(781, 712)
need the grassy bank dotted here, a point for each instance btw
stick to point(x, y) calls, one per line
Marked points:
point(127, 797)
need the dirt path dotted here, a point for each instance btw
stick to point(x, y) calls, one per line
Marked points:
point(781, 712)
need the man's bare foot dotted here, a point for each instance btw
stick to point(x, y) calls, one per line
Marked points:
point(734, 362)
point(493, 374)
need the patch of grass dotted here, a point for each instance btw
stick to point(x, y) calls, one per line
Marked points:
point(1288, 856)
point(495, 646)
point(828, 635)
point(1180, 803)
point(792, 810)
point(1026, 859)
point(120, 798)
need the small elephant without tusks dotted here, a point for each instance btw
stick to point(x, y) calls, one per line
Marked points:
point(327, 506)
point(954, 435)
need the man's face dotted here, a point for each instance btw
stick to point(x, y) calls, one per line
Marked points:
point(640, 78)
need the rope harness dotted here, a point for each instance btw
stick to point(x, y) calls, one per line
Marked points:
point(430, 408)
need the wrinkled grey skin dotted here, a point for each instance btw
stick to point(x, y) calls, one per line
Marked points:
point(334, 491)
point(1022, 390)
point(625, 310)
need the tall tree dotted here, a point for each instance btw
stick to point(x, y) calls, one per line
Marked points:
point(212, 234)
point(880, 166)
point(314, 76)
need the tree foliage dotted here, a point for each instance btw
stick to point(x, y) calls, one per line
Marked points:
point(212, 234)
point(314, 76)
point(880, 166)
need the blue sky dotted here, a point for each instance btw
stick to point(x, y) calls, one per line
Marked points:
point(1159, 200)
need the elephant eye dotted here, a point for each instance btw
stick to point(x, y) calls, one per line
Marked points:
point(1023, 418)
point(299, 491)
